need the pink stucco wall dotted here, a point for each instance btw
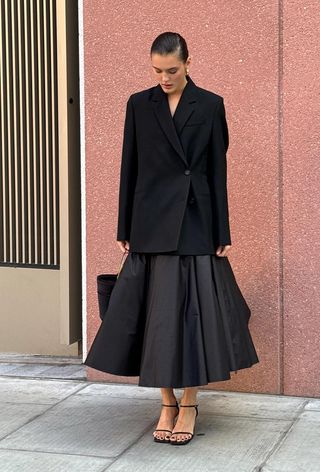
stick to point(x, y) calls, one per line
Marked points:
point(300, 219)
point(263, 58)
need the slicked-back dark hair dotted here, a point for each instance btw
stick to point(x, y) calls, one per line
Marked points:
point(170, 43)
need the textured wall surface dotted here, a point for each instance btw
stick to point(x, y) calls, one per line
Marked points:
point(264, 65)
point(301, 188)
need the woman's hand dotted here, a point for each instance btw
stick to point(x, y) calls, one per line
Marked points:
point(223, 250)
point(124, 245)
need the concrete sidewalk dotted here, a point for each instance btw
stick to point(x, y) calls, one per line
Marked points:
point(75, 425)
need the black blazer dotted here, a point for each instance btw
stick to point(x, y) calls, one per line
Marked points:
point(173, 177)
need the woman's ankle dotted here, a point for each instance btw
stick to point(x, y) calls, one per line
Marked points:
point(189, 396)
point(168, 396)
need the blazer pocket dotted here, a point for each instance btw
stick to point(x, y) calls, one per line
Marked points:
point(195, 123)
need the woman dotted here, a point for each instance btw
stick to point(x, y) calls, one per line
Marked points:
point(176, 317)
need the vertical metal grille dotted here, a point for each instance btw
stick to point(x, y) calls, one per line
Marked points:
point(29, 178)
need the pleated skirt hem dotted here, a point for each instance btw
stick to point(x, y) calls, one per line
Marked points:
point(174, 321)
point(170, 384)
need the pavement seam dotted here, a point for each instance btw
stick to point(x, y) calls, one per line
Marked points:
point(112, 458)
point(40, 414)
point(28, 377)
point(204, 392)
point(38, 359)
point(144, 431)
point(69, 454)
point(210, 394)
point(282, 438)
point(25, 377)
point(81, 385)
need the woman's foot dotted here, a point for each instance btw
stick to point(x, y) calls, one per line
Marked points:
point(166, 421)
point(185, 422)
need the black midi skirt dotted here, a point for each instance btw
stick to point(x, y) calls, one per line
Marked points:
point(174, 321)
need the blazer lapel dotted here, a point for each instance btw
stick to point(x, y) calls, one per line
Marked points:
point(172, 127)
point(186, 105)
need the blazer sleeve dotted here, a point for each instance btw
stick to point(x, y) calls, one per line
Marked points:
point(217, 175)
point(128, 175)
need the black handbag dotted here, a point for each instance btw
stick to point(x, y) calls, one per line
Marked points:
point(105, 284)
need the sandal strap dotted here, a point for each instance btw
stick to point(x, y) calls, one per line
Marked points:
point(183, 432)
point(169, 430)
point(175, 406)
point(196, 407)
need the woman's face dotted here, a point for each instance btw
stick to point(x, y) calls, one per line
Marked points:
point(170, 72)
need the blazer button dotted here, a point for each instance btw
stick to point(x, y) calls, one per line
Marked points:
point(187, 172)
point(191, 200)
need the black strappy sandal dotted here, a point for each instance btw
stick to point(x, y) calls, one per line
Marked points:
point(175, 442)
point(164, 440)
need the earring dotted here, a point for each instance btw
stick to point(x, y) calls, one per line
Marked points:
point(187, 71)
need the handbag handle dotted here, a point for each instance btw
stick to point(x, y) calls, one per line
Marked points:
point(121, 262)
